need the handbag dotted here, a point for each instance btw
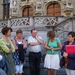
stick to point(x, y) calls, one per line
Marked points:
point(62, 62)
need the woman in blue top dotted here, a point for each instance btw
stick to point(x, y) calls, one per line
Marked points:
point(20, 45)
point(70, 64)
point(52, 47)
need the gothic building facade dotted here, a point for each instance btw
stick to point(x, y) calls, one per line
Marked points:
point(22, 8)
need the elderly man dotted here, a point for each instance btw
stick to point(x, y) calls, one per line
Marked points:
point(34, 42)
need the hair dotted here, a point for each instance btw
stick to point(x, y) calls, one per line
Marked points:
point(5, 30)
point(48, 33)
point(72, 33)
point(51, 34)
point(18, 31)
point(32, 30)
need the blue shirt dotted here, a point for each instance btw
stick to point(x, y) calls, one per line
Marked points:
point(71, 57)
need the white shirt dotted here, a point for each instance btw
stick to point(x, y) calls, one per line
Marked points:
point(36, 48)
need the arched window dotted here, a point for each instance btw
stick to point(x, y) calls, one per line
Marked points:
point(6, 6)
point(54, 10)
point(27, 11)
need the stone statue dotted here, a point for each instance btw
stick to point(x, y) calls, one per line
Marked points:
point(15, 2)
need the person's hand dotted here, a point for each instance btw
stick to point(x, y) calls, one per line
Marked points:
point(52, 50)
point(16, 47)
point(65, 54)
point(10, 51)
point(24, 47)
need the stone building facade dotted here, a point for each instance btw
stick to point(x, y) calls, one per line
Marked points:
point(21, 8)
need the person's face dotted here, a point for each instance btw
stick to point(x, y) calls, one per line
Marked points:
point(34, 33)
point(19, 35)
point(8, 33)
point(70, 38)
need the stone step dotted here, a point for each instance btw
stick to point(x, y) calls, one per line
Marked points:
point(43, 71)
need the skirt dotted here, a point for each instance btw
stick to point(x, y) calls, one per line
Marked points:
point(51, 62)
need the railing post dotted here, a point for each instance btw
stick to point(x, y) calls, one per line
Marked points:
point(31, 21)
point(9, 23)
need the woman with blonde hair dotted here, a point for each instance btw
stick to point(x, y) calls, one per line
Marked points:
point(20, 45)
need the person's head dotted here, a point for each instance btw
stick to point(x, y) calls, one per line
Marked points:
point(71, 36)
point(51, 34)
point(6, 31)
point(19, 33)
point(48, 33)
point(34, 32)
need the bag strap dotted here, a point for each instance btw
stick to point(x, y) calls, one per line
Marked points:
point(48, 42)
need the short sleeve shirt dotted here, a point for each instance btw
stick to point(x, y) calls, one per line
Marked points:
point(53, 44)
point(36, 48)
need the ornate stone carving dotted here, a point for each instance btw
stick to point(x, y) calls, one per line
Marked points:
point(3, 24)
point(62, 29)
point(38, 8)
point(68, 7)
point(19, 22)
point(39, 21)
point(13, 7)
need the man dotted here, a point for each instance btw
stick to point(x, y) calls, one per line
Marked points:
point(34, 42)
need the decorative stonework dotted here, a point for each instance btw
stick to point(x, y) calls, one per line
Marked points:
point(39, 21)
point(63, 29)
point(13, 7)
point(3, 23)
point(68, 7)
point(20, 22)
point(38, 10)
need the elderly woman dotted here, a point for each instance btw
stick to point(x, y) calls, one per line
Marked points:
point(69, 58)
point(52, 47)
point(7, 48)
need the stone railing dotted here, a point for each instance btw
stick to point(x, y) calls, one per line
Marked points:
point(31, 21)
point(63, 28)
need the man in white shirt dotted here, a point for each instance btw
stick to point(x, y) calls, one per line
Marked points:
point(35, 42)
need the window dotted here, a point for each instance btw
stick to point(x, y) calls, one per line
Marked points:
point(27, 11)
point(6, 6)
point(54, 10)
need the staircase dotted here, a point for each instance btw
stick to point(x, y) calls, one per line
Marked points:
point(60, 25)
point(43, 71)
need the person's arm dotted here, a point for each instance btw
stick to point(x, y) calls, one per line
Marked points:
point(59, 47)
point(63, 49)
point(34, 43)
point(3, 46)
point(16, 47)
point(39, 40)
point(59, 44)
point(24, 44)
point(12, 46)
point(31, 43)
point(46, 46)
point(71, 56)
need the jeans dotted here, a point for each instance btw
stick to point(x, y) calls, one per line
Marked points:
point(19, 68)
point(34, 61)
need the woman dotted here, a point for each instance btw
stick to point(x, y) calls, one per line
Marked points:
point(20, 46)
point(69, 58)
point(52, 47)
point(7, 48)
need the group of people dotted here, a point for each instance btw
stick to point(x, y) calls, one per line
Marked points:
point(14, 52)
